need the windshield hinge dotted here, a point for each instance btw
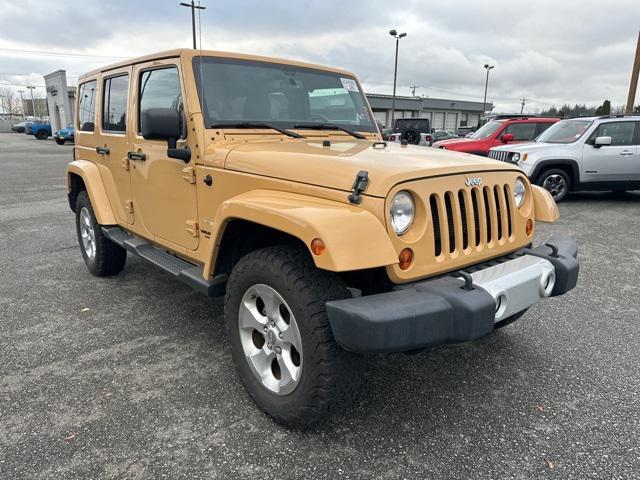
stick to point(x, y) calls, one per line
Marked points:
point(192, 228)
point(125, 164)
point(189, 174)
point(359, 186)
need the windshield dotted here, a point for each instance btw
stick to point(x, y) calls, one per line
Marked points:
point(565, 131)
point(487, 129)
point(236, 91)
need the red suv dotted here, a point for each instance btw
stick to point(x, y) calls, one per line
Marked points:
point(498, 132)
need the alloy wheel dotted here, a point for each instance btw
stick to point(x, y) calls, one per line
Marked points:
point(556, 185)
point(270, 339)
point(87, 233)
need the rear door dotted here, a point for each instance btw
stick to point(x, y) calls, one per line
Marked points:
point(164, 191)
point(113, 141)
point(615, 162)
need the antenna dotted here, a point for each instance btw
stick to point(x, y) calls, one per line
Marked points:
point(201, 62)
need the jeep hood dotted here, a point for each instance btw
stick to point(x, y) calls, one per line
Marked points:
point(460, 142)
point(336, 166)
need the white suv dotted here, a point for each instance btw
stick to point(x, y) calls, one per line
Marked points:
point(586, 153)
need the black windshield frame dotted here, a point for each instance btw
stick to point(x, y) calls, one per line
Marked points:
point(360, 104)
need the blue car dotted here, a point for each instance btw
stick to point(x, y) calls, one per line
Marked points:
point(64, 135)
point(40, 130)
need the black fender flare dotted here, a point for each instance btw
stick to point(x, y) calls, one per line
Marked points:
point(546, 164)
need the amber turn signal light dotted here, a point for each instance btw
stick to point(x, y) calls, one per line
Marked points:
point(529, 227)
point(317, 246)
point(405, 258)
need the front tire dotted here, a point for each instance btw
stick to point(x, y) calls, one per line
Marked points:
point(281, 340)
point(557, 182)
point(59, 141)
point(102, 256)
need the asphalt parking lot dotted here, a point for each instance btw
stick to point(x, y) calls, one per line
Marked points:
point(131, 376)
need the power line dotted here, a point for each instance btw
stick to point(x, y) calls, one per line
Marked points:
point(48, 53)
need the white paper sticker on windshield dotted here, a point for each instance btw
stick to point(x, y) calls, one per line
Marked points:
point(349, 84)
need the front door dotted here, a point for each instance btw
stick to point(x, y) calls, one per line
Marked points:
point(114, 131)
point(164, 196)
point(615, 162)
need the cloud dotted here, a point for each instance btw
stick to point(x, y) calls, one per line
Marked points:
point(548, 51)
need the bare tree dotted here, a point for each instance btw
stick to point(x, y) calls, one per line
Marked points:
point(9, 102)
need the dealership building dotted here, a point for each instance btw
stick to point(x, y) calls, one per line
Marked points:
point(444, 114)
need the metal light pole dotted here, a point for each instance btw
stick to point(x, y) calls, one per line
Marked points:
point(486, 85)
point(193, 8)
point(33, 102)
point(21, 102)
point(395, 35)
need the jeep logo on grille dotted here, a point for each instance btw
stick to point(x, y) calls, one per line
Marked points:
point(473, 182)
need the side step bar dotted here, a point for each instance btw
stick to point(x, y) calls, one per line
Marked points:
point(184, 271)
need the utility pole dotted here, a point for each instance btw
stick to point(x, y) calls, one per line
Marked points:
point(33, 102)
point(522, 104)
point(193, 8)
point(395, 35)
point(486, 86)
point(21, 102)
point(633, 86)
point(413, 89)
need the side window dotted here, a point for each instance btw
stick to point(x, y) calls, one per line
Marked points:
point(114, 104)
point(87, 106)
point(160, 89)
point(621, 133)
point(522, 131)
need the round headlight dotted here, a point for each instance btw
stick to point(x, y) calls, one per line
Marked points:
point(402, 211)
point(519, 192)
point(516, 157)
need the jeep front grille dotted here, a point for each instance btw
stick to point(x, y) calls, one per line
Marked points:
point(500, 155)
point(472, 219)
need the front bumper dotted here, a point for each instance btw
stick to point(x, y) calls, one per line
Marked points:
point(457, 307)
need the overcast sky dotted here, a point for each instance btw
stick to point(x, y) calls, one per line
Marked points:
point(550, 52)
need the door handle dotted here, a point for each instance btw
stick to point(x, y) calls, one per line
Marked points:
point(102, 151)
point(136, 156)
point(626, 152)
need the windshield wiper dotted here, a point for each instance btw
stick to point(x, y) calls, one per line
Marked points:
point(330, 126)
point(284, 131)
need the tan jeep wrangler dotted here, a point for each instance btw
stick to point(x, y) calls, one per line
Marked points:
point(267, 181)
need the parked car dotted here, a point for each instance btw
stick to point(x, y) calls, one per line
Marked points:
point(325, 242)
point(588, 153)
point(64, 135)
point(438, 135)
point(414, 131)
point(21, 127)
point(40, 130)
point(498, 132)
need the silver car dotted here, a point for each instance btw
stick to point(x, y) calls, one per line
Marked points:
point(586, 153)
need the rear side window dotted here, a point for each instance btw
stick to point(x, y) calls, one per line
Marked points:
point(114, 104)
point(621, 133)
point(160, 89)
point(522, 131)
point(87, 106)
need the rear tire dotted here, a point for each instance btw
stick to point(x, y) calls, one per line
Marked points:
point(102, 256)
point(323, 370)
point(42, 135)
point(557, 182)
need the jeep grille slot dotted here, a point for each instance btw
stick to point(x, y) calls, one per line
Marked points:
point(435, 221)
point(477, 218)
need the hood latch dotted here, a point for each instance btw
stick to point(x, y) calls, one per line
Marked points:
point(359, 186)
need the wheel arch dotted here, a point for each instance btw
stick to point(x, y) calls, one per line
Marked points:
point(264, 218)
point(84, 175)
point(568, 165)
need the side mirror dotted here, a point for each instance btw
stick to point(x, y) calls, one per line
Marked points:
point(601, 142)
point(507, 137)
point(164, 124)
